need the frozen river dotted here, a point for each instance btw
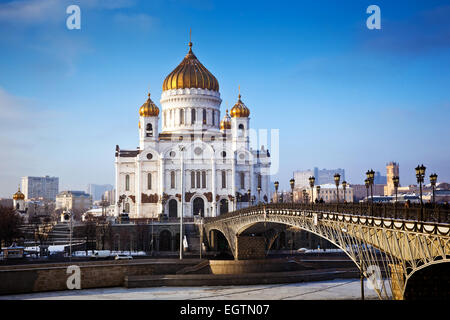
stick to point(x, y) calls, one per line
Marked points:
point(341, 289)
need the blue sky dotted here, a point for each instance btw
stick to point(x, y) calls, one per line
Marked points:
point(340, 94)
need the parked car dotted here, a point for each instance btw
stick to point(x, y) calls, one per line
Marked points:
point(101, 254)
point(123, 257)
point(302, 250)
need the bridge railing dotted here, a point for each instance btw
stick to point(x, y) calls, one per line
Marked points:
point(415, 212)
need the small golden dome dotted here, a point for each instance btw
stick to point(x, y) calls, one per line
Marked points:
point(190, 73)
point(18, 195)
point(226, 122)
point(149, 109)
point(240, 110)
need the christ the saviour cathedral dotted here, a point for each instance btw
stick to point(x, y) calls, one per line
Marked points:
point(197, 161)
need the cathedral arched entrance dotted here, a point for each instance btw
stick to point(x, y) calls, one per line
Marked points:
point(173, 208)
point(223, 206)
point(198, 207)
point(165, 240)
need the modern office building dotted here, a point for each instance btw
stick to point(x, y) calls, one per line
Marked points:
point(97, 190)
point(40, 187)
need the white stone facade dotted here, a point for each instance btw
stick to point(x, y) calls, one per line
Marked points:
point(214, 170)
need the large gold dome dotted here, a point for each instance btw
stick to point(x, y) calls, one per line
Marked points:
point(190, 73)
point(240, 110)
point(149, 109)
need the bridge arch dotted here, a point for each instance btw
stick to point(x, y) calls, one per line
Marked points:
point(345, 250)
point(430, 281)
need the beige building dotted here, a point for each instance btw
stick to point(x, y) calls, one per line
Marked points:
point(328, 193)
point(73, 200)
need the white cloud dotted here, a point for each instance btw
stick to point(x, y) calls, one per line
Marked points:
point(26, 12)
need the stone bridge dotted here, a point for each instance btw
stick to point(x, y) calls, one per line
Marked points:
point(384, 241)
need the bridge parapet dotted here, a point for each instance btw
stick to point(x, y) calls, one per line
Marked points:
point(436, 214)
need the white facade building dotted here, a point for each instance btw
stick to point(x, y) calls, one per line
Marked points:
point(197, 163)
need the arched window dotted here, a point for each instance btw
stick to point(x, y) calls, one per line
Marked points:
point(149, 181)
point(224, 179)
point(149, 130)
point(204, 116)
point(193, 114)
point(241, 130)
point(171, 117)
point(127, 207)
point(127, 183)
point(172, 179)
point(242, 180)
point(198, 179)
point(203, 179)
point(193, 179)
point(181, 116)
point(259, 180)
point(214, 117)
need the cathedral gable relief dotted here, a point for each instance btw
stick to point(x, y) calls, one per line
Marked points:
point(188, 196)
point(178, 196)
point(152, 198)
point(133, 198)
point(208, 196)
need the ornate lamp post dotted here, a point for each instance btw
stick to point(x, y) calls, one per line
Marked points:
point(318, 192)
point(433, 179)
point(259, 194)
point(292, 183)
point(276, 184)
point(420, 175)
point(312, 179)
point(249, 193)
point(344, 186)
point(370, 176)
point(396, 181)
point(337, 178)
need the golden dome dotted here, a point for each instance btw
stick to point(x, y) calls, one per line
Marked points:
point(240, 110)
point(18, 195)
point(226, 122)
point(190, 73)
point(149, 109)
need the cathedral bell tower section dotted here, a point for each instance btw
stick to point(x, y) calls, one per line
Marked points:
point(240, 124)
point(148, 124)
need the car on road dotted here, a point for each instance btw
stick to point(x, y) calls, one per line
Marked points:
point(123, 257)
point(101, 254)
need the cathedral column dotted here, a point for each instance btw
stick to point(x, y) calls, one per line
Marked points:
point(252, 168)
point(213, 186)
point(137, 189)
point(233, 180)
point(162, 178)
point(118, 189)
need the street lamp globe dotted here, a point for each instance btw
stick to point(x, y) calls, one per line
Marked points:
point(433, 179)
point(337, 178)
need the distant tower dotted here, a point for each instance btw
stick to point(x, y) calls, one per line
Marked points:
point(392, 169)
point(19, 201)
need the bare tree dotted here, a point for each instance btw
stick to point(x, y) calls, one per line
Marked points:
point(10, 223)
